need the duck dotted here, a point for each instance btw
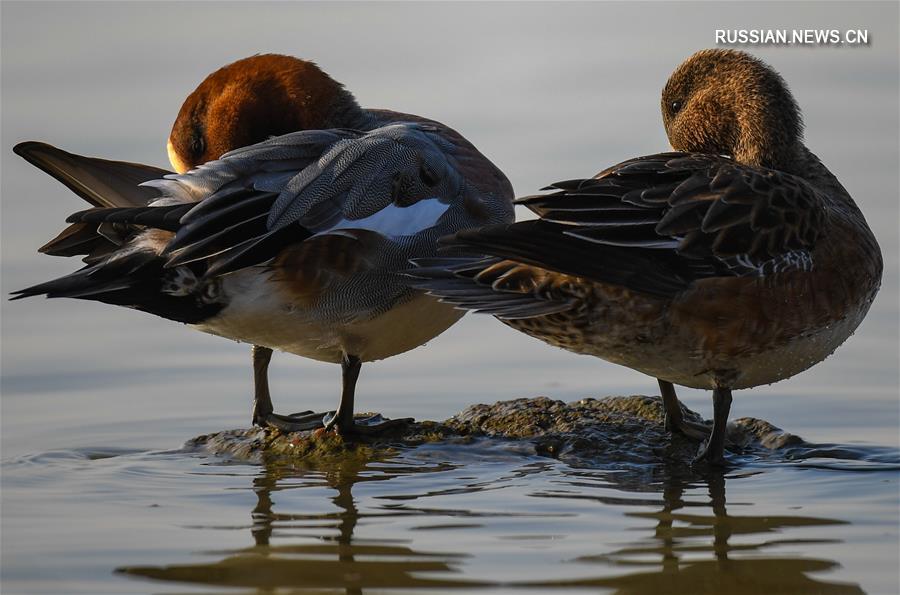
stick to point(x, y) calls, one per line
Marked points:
point(735, 260)
point(287, 224)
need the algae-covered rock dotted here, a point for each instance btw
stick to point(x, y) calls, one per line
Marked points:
point(609, 431)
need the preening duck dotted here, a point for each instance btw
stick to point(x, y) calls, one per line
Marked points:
point(293, 242)
point(735, 261)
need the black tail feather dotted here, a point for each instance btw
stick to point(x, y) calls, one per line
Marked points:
point(136, 280)
point(101, 182)
point(166, 218)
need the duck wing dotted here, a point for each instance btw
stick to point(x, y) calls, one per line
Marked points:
point(702, 207)
point(506, 289)
point(241, 209)
point(344, 189)
point(652, 224)
point(397, 181)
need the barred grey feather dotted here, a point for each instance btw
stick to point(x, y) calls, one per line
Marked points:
point(362, 171)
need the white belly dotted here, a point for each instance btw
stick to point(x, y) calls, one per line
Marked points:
point(258, 315)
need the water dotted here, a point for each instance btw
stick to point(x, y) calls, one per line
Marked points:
point(98, 495)
point(444, 518)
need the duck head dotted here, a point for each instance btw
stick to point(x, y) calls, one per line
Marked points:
point(253, 99)
point(727, 102)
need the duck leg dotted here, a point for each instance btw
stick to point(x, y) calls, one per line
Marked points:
point(262, 400)
point(343, 419)
point(713, 451)
point(263, 412)
point(675, 421)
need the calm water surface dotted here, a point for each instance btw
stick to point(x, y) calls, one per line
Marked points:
point(444, 518)
point(98, 494)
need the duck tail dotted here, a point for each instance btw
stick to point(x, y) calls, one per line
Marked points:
point(121, 238)
point(101, 182)
point(137, 279)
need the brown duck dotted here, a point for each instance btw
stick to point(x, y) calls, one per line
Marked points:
point(736, 261)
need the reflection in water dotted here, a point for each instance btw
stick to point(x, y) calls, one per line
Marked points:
point(693, 547)
point(337, 560)
point(678, 560)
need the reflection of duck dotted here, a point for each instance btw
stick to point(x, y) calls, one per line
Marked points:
point(685, 546)
point(336, 560)
point(682, 542)
point(291, 243)
point(738, 261)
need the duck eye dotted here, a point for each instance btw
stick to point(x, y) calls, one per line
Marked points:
point(676, 106)
point(198, 145)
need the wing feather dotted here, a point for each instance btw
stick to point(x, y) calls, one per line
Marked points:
point(395, 180)
point(502, 288)
point(697, 206)
point(245, 207)
point(653, 224)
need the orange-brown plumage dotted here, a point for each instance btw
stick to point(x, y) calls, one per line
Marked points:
point(250, 100)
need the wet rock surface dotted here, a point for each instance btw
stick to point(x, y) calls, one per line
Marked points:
point(611, 431)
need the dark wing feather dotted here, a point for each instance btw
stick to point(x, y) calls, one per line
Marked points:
point(547, 245)
point(502, 288)
point(652, 224)
point(701, 208)
point(156, 217)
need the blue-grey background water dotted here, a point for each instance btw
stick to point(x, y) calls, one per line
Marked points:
point(97, 401)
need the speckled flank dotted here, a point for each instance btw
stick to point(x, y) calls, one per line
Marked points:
point(260, 315)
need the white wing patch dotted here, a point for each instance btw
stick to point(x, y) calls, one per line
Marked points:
point(394, 222)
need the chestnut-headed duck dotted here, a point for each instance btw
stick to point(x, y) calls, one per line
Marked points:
point(287, 227)
point(736, 261)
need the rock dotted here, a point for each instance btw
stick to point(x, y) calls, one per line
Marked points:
point(612, 431)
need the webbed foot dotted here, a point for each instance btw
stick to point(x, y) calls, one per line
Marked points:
point(691, 429)
point(374, 425)
point(675, 421)
point(296, 422)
